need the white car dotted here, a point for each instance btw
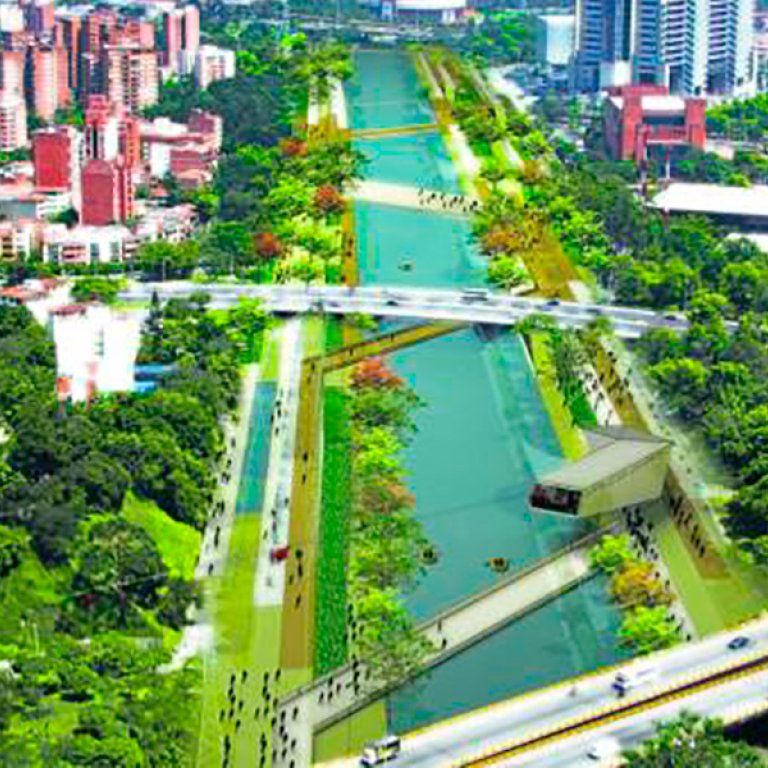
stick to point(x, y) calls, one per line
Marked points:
point(603, 749)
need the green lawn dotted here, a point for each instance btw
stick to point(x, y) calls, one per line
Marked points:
point(178, 543)
point(712, 603)
point(571, 439)
point(349, 736)
point(330, 622)
point(28, 593)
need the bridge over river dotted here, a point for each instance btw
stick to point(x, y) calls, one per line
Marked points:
point(432, 304)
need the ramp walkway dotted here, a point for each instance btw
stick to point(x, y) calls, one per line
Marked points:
point(335, 696)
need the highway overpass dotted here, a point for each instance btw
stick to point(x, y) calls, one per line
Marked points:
point(556, 726)
point(432, 304)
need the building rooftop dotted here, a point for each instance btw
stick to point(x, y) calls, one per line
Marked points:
point(615, 449)
point(654, 103)
point(714, 199)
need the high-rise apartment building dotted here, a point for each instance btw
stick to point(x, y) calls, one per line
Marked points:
point(131, 77)
point(47, 80)
point(12, 71)
point(691, 46)
point(13, 121)
point(181, 38)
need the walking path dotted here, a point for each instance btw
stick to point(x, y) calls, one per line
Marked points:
point(214, 547)
point(406, 196)
point(335, 696)
point(275, 519)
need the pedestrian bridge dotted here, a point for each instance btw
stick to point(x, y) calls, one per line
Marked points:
point(398, 130)
point(333, 697)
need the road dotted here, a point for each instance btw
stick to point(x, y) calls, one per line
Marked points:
point(460, 739)
point(489, 307)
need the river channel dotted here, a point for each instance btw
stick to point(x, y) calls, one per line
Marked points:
point(482, 437)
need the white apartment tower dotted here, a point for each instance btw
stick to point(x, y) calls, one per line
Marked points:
point(693, 46)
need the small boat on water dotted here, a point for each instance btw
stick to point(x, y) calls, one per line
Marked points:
point(429, 555)
point(498, 564)
point(406, 265)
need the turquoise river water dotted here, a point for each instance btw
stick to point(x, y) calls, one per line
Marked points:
point(483, 436)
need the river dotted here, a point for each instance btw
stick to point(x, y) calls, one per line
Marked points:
point(482, 437)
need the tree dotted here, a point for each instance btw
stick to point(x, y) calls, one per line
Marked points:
point(635, 583)
point(390, 645)
point(268, 246)
point(160, 259)
point(689, 741)
point(506, 272)
point(683, 383)
point(328, 200)
point(117, 567)
point(227, 245)
point(611, 552)
point(647, 629)
point(96, 289)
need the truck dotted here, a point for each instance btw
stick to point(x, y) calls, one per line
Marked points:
point(380, 751)
point(633, 677)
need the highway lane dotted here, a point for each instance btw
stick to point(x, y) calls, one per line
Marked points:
point(470, 734)
point(729, 702)
point(423, 303)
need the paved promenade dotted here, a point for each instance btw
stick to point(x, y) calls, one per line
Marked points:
point(333, 697)
point(405, 196)
point(275, 519)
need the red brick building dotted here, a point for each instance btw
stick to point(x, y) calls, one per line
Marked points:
point(108, 194)
point(57, 157)
point(639, 117)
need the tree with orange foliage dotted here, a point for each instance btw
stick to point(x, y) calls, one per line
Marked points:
point(635, 583)
point(268, 246)
point(328, 199)
point(373, 372)
point(292, 147)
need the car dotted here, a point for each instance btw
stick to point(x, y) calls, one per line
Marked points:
point(603, 749)
point(553, 303)
point(392, 303)
point(739, 642)
point(595, 310)
point(673, 317)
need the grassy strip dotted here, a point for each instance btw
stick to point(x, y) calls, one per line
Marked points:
point(349, 736)
point(571, 439)
point(334, 334)
point(178, 543)
point(330, 610)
